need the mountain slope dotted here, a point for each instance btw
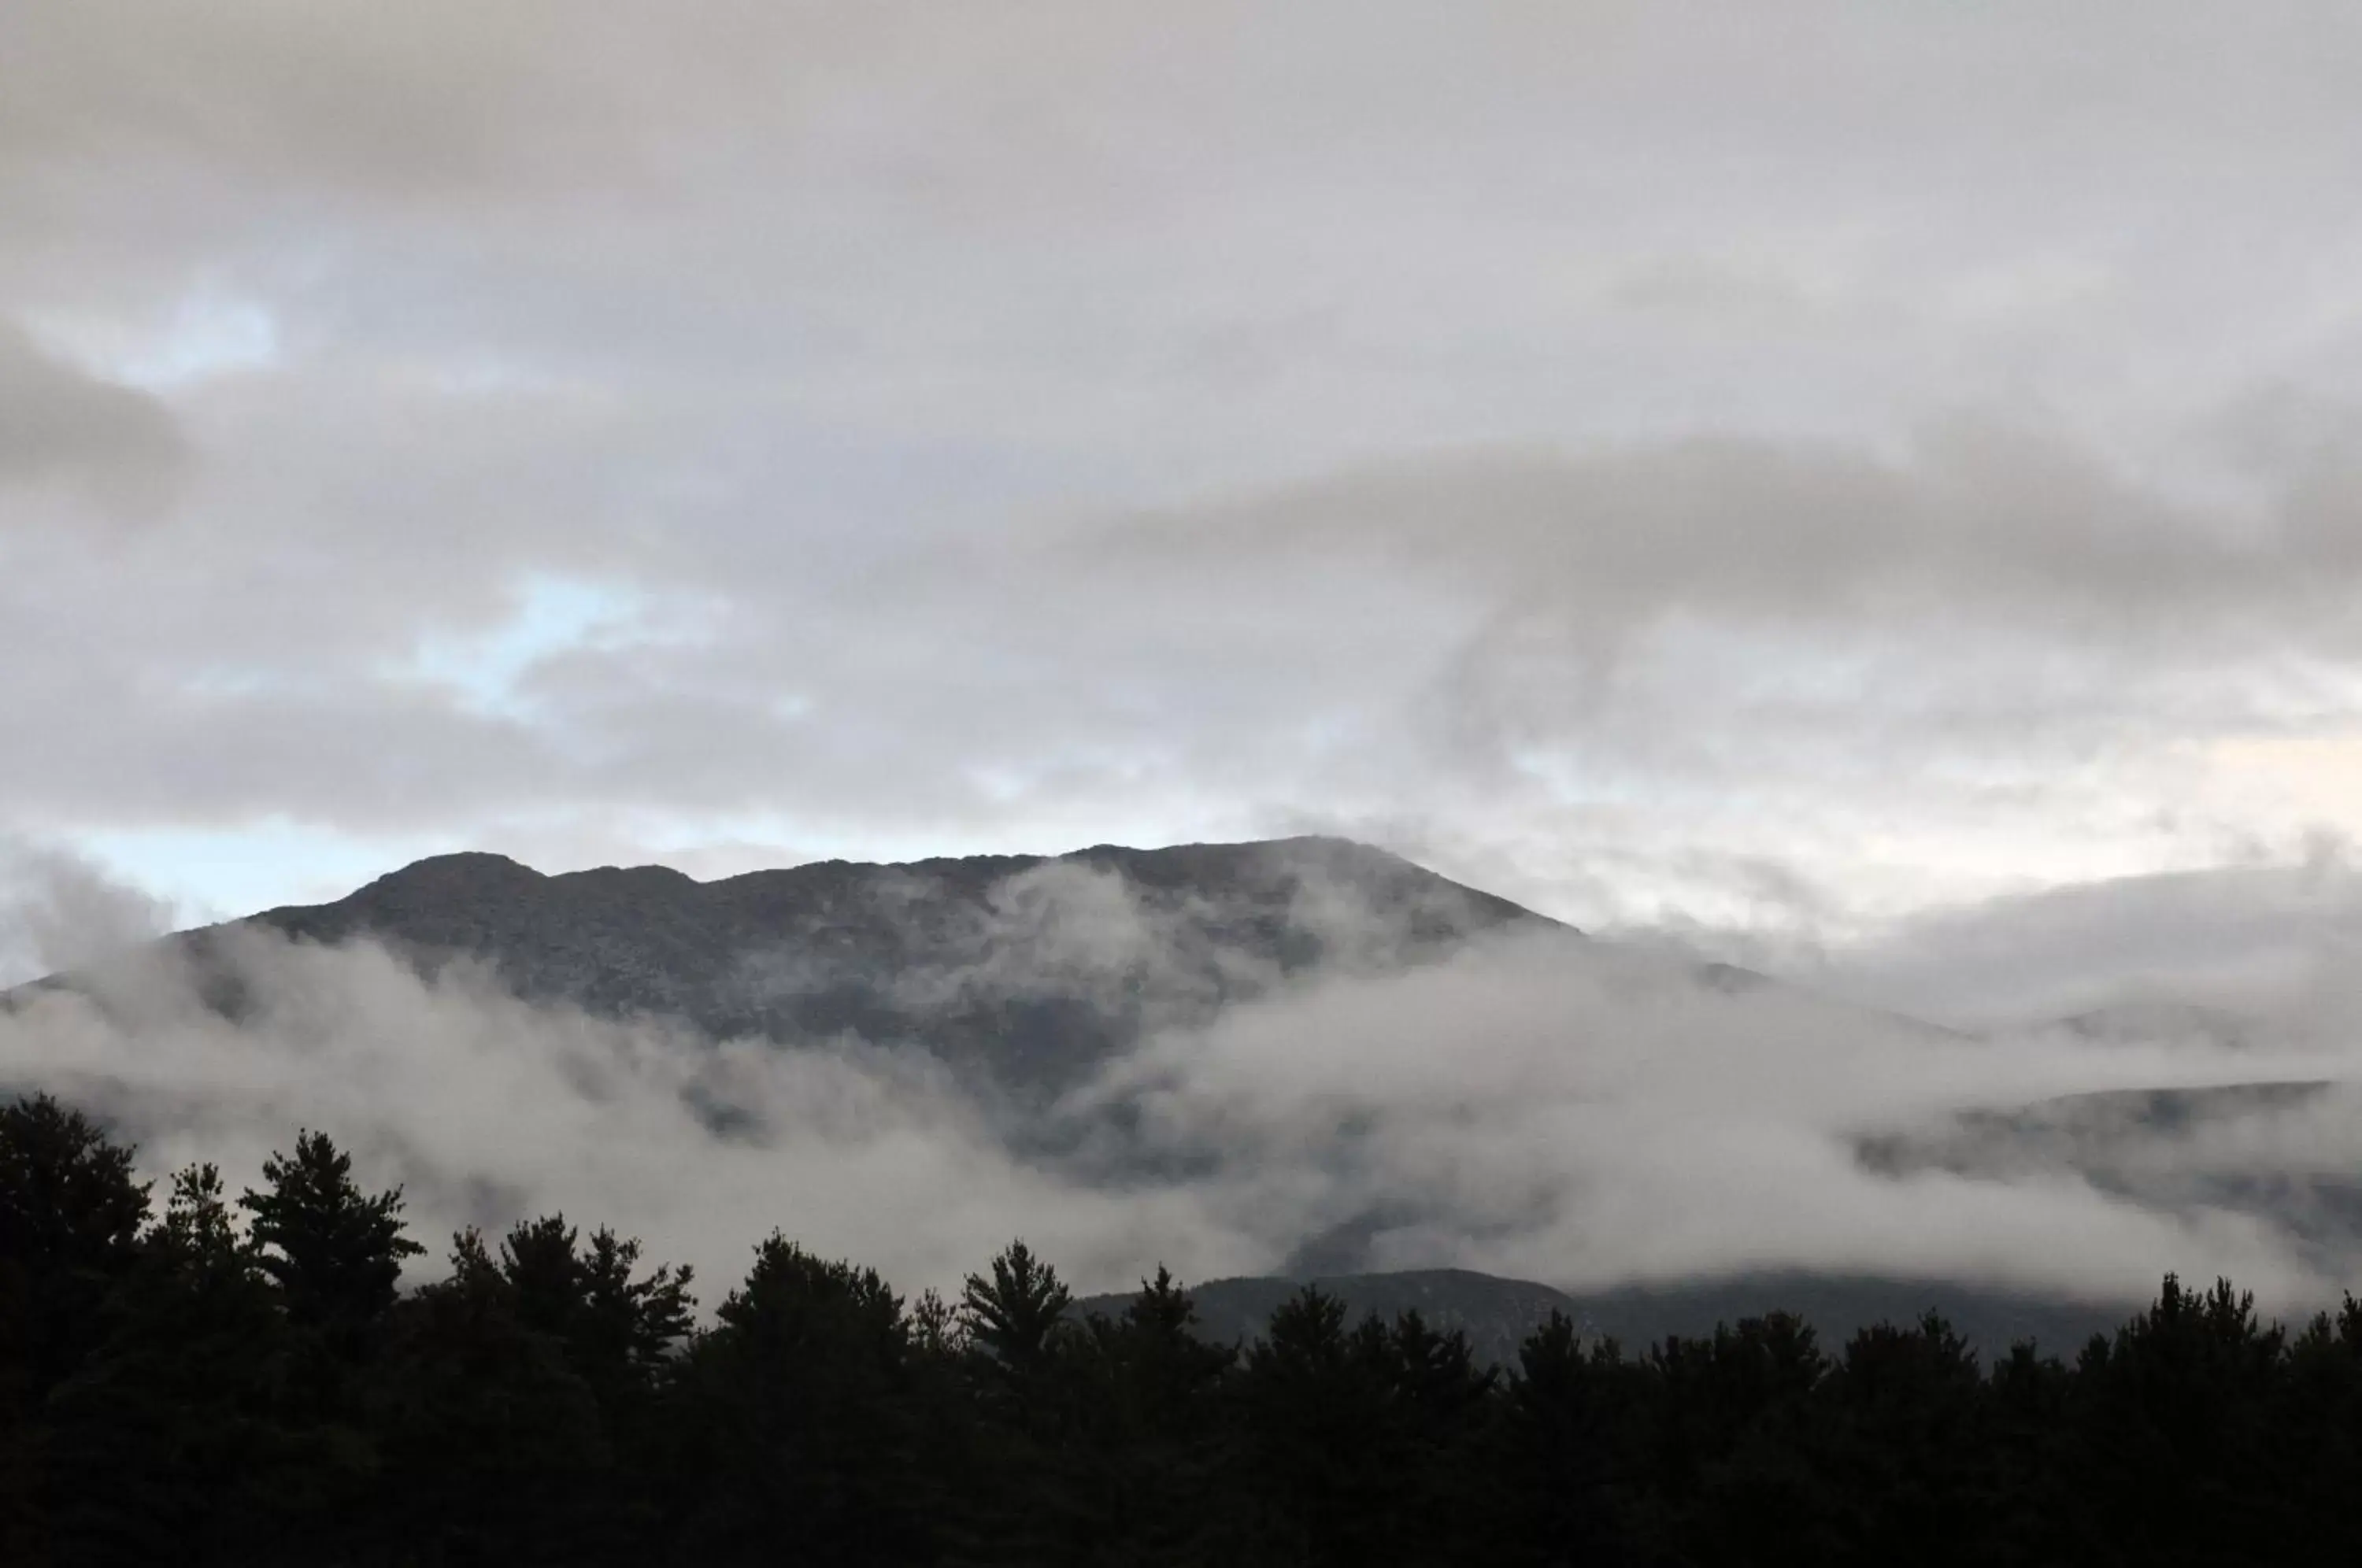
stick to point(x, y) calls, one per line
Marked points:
point(1495, 1314)
point(1498, 1314)
point(1024, 970)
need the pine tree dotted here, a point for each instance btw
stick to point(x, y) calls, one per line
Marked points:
point(491, 1441)
point(1562, 1443)
point(1730, 1416)
point(165, 1445)
point(1032, 1489)
point(541, 1264)
point(1152, 1437)
point(2171, 1429)
point(799, 1436)
point(69, 1220)
point(628, 1323)
point(333, 1256)
point(2025, 1397)
point(1014, 1315)
point(1316, 1400)
point(335, 1252)
point(1908, 1442)
point(2315, 1440)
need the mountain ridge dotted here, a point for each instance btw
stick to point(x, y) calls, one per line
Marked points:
point(1498, 1312)
point(1021, 970)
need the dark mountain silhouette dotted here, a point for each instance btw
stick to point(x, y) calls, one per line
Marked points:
point(1022, 970)
point(1495, 1314)
point(1498, 1314)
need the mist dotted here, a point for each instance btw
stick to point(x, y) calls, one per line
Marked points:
point(1580, 1113)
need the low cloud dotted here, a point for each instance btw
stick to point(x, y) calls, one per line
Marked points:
point(57, 912)
point(1590, 1117)
point(487, 1110)
point(2266, 948)
point(1535, 1105)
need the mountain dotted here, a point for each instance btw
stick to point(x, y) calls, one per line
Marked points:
point(2241, 1148)
point(1498, 1314)
point(1495, 1314)
point(1023, 971)
point(2145, 1023)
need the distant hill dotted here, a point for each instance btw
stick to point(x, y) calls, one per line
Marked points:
point(1499, 1314)
point(1025, 970)
point(2179, 1149)
point(1495, 1314)
point(2146, 1023)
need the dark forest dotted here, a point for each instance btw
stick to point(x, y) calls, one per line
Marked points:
point(200, 1378)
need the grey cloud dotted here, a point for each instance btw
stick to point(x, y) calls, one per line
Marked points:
point(1607, 1119)
point(57, 912)
point(1697, 637)
point(430, 93)
point(1996, 526)
point(485, 1108)
point(119, 446)
point(830, 322)
point(2265, 949)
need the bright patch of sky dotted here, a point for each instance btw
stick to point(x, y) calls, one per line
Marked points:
point(205, 334)
point(213, 874)
point(551, 616)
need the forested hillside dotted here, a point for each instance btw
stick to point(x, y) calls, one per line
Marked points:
point(196, 1376)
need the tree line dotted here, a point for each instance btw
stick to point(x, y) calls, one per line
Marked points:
point(200, 1378)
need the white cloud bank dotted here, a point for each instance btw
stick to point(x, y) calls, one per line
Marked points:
point(1535, 1107)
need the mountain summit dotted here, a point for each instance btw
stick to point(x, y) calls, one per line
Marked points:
point(1025, 969)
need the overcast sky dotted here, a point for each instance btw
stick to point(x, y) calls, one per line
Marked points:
point(1777, 470)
